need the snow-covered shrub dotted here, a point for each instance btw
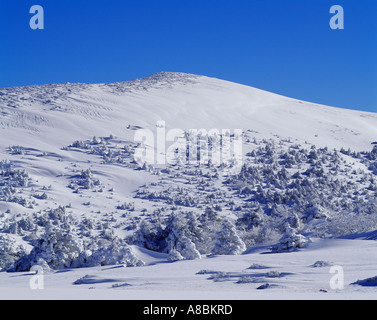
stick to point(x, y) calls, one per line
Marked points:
point(19, 226)
point(110, 153)
point(314, 211)
point(41, 265)
point(61, 247)
point(290, 241)
point(58, 246)
point(16, 150)
point(86, 226)
point(346, 224)
point(209, 223)
point(11, 180)
point(84, 180)
point(321, 264)
point(126, 206)
point(9, 253)
point(181, 235)
point(246, 279)
point(175, 256)
point(273, 274)
point(293, 221)
point(79, 144)
point(150, 236)
point(107, 252)
point(251, 219)
point(261, 235)
point(227, 240)
point(257, 266)
point(186, 235)
point(220, 276)
point(42, 196)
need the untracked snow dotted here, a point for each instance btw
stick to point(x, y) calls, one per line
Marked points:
point(299, 276)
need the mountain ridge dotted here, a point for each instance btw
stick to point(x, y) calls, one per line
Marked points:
point(184, 101)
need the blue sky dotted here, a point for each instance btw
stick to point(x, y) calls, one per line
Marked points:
point(283, 46)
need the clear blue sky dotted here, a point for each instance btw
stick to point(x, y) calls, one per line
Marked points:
point(283, 46)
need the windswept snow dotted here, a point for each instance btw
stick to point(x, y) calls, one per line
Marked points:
point(283, 276)
point(58, 114)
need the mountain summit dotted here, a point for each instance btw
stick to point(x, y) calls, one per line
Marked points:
point(67, 111)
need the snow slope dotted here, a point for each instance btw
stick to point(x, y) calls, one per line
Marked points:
point(66, 161)
point(55, 115)
point(293, 276)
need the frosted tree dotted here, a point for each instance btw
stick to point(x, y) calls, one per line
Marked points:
point(290, 241)
point(251, 219)
point(150, 236)
point(106, 252)
point(228, 242)
point(9, 253)
point(181, 236)
point(59, 247)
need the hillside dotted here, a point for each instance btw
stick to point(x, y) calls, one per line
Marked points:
point(57, 114)
point(73, 193)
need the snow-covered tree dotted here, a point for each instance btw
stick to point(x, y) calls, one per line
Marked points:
point(9, 253)
point(58, 246)
point(227, 240)
point(290, 241)
point(181, 237)
point(107, 252)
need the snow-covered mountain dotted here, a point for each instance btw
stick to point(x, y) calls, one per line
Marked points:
point(57, 114)
point(73, 195)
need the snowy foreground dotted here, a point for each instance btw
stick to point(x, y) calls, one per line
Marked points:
point(295, 217)
point(297, 275)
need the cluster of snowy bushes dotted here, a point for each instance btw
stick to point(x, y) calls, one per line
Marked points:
point(84, 180)
point(199, 190)
point(11, 180)
point(187, 235)
point(110, 150)
point(9, 252)
point(59, 240)
point(16, 150)
point(283, 194)
point(313, 190)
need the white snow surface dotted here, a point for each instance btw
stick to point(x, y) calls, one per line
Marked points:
point(292, 276)
point(56, 115)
